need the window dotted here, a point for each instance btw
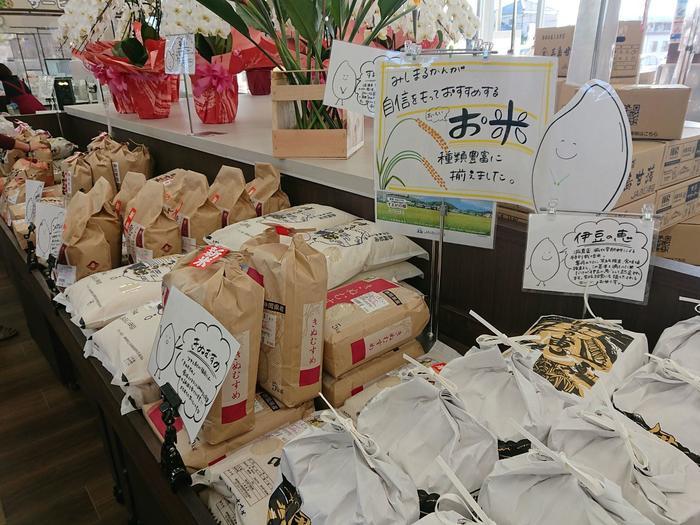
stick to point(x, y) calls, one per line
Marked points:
point(558, 13)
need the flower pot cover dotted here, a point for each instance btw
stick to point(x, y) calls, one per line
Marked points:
point(174, 83)
point(259, 81)
point(150, 94)
point(215, 89)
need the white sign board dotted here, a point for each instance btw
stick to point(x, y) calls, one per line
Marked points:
point(193, 352)
point(610, 255)
point(49, 221)
point(351, 80)
point(585, 156)
point(33, 189)
point(462, 127)
point(467, 222)
point(179, 54)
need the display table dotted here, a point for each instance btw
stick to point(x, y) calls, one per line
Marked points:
point(133, 449)
point(248, 140)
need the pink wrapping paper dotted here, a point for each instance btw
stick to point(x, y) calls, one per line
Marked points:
point(215, 88)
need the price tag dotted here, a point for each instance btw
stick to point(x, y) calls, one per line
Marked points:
point(179, 54)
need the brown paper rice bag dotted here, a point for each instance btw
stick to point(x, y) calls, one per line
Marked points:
point(131, 185)
point(195, 214)
point(269, 416)
point(366, 319)
point(101, 167)
point(338, 390)
point(172, 182)
point(103, 141)
point(149, 232)
point(265, 190)
point(213, 278)
point(13, 193)
point(228, 193)
point(41, 150)
point(33, 169)
point(9, 159)
point(105, 216)
point(77, 175)
point(125, 160)
point(85, 246)
point(295, 280)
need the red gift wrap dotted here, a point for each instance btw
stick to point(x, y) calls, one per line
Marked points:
point(215, 88)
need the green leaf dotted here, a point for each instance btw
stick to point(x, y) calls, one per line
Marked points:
point(117, 50)
point(134, 51)
point(203, 48)
point(224, 10)
point(148, 32)
point(305, 17)
point(338, 12)
point(388, 8)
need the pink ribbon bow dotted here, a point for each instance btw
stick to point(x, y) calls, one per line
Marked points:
point(115, 80)
point(211, 75)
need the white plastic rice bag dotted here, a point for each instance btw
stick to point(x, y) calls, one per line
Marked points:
point(664, 398)
point(415, 422)
point(124, 348)
point(660, 481)
point(333, 475)
point(514, 393)
point(580, 354)
point(360, 246)
point(681, 342)
point(246, 478)
point(95, 301)
point(545, 487)
point(306, 217)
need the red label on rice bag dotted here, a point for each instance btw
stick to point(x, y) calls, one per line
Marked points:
point(129, 219)
point(345, 294)
point(208, 256)
point(156, 418)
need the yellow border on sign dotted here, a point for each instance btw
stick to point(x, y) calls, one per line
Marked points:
point(464, 195)
point(499, 106)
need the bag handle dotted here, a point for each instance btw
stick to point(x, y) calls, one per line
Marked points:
point(500, 337)
point(366, 443)
point(464, 498)
point(594, 485)
point(612, 323)
point(677, 371)
point(427, 373)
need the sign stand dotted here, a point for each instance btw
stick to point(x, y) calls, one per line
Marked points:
point(187, 99)
point(170, 459)
point(413, 50)
point(106, 106)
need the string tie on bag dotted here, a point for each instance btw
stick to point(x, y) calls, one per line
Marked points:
point(676, 371)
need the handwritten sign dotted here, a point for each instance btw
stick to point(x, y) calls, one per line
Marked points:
point(610, 255)
point(193, 352)
point(586, 153)
point(468, 222)
point(351, 77)
point(33, 189)
point(462, 127)
point(179, 54)
point(49, 221)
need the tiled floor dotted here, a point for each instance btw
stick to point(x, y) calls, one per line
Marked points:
point(53, 469)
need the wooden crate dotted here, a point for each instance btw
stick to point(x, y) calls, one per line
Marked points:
point(289, 142)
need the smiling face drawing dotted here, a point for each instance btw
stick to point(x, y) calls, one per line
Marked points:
point(344, 81)
point(584, 157)
point(544, 261)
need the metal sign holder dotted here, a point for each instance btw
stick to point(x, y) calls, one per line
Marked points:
point(413, 51)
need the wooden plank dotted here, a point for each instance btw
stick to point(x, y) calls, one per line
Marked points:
point(281, 93)
point(318, 143)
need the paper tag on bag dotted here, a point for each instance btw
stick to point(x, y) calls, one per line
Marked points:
point(65, 275)
point(179, 55)
point(370, 302)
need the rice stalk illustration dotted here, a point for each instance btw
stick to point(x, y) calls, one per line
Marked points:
point(386, 165)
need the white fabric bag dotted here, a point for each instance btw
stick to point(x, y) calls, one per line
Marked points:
point(307, 217)
point(253, 465)
point(659, 480)
point(580, 357)
point(681, 342)
point(394, 272)
point(340, 477)
point(99, 299)
point(124, 348)
point(360, 246)
point(545, 487)
point(415, 422)
point(664, 398)
point(499, 388)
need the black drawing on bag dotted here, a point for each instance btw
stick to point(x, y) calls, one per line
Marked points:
point(165, 349)
point(347, 236)
point(544, 261)
point(285, 504)
point(143, 272)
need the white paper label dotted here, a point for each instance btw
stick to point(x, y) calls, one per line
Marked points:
point(234, 393)
point(269, 328)
point(49, 228)
point(193, 352)
point(142, 254)
point(33, 189)
point(115, 172)
point(12, 198)
point(610, 255)
point(65, 275)
point(370, 302)
point(179, 55)
point(311, 343)
point(67, 182)
point(387, 338)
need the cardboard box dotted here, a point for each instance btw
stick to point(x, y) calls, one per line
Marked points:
point(637, 206)
point(512, 212)
point(647, 168)
point(655, 111)
point(679, 156)
point(681, 242)
point(555, 42)
point(678, 203)
point(627, 50)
